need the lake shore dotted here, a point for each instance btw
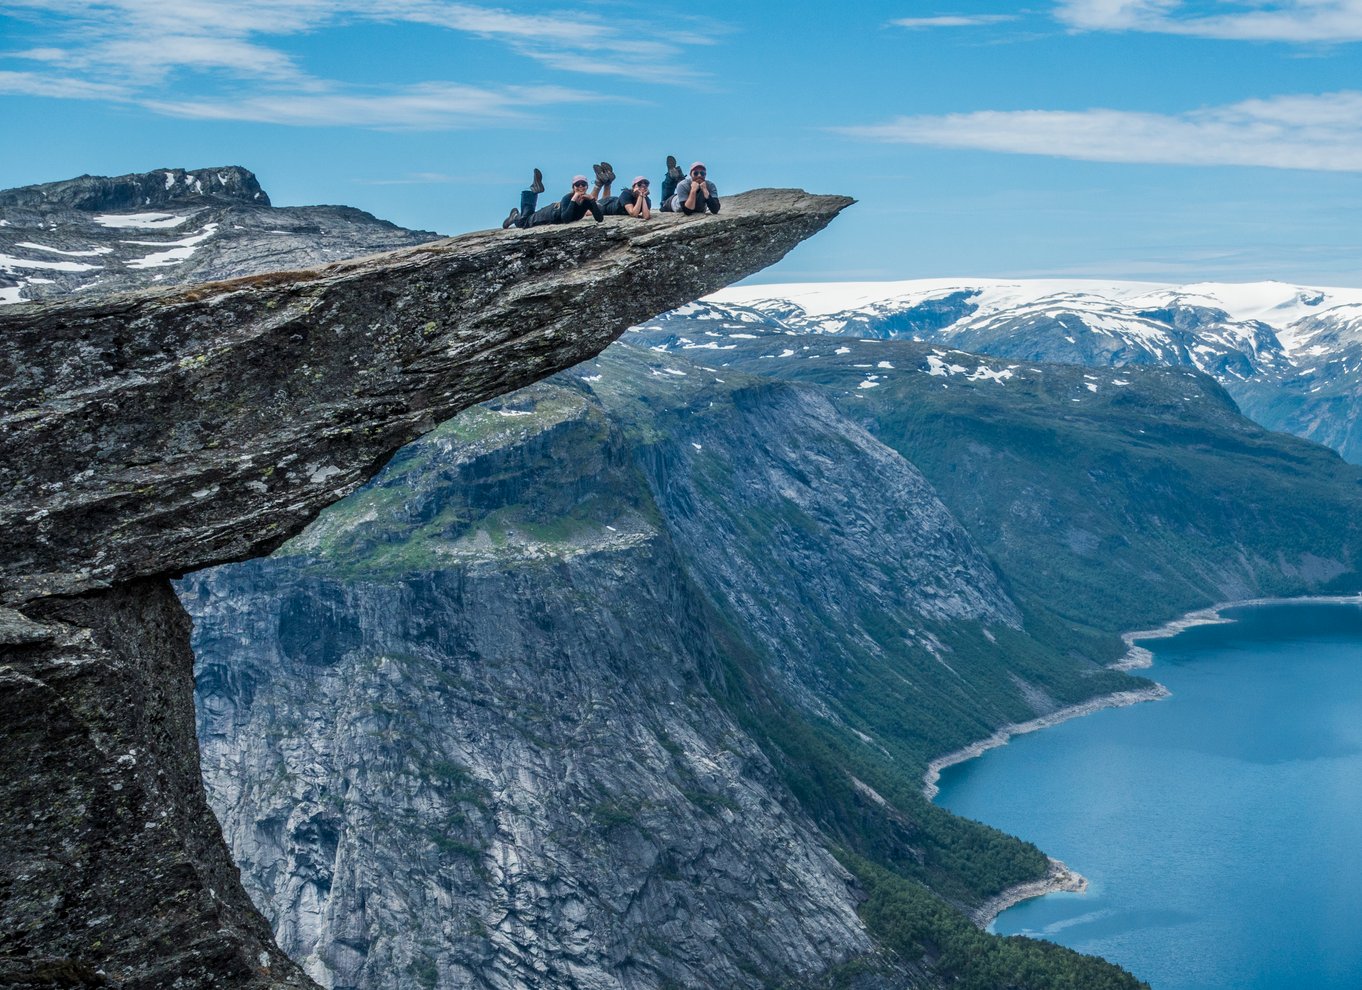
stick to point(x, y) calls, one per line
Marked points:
point(1058, 878)
point(1138, 658)
point(1118, 699)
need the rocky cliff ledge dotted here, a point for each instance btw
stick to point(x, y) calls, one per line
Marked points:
point(146, 435)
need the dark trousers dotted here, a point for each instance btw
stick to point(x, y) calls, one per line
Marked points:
point(529, 216)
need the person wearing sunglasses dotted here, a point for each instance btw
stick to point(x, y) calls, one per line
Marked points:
point(571, 208)
point(633, 202)
point(695, 193)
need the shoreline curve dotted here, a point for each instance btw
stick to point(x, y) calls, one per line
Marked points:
point(1138, 658)
point(1057, 878)
point(1060, 877)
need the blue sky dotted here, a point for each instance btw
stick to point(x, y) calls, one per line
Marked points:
point(1149, 139)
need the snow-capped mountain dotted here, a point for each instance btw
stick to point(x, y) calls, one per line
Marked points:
point(99, 235)
point(1290, 355)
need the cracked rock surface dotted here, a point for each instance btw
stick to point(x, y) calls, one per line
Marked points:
point(147, 434)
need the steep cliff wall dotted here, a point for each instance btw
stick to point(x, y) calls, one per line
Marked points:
point(145, 435)
point(495, 758)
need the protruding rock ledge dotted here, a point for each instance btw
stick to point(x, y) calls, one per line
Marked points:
point(162, 431)
point(149, 434)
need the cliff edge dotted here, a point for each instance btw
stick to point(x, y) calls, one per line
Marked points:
point(149, 434)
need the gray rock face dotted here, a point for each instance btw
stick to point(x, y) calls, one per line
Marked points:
point(504, 775)
point(1320, 396)
point(147, 434)
point(95, 236)
point(168, 430)
point(112, 871)
point(469, 730)
point(164, 187)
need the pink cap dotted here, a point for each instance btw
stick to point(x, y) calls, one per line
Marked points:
point(640, 178)
point(580, 178)
point(695, 165)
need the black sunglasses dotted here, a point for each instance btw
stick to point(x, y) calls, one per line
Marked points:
point(582, 184)
point(642, 182)
point(699, 171)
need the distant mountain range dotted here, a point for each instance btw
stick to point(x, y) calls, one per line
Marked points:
point(1288, 354)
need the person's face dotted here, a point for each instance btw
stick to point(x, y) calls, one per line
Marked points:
point(697, 173)
point(579, 185)
point(641, 186)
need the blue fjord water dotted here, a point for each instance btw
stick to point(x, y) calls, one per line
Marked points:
point(1220, 829)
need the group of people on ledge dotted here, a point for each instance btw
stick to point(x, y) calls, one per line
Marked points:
point(692, 193)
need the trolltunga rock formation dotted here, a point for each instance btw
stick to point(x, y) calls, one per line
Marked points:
point(149, 434)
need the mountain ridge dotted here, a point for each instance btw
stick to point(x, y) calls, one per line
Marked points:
point(1290, 355)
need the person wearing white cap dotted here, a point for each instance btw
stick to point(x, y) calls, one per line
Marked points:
point(633, 202)
point(695, 193)
point(571, 208)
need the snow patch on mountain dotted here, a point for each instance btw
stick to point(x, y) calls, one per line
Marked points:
point(10, 262)
point(92, 253)
point(141, 221)
point(175, 251)
point(1277, 304)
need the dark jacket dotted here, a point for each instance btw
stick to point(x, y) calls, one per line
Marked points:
point(570, 212)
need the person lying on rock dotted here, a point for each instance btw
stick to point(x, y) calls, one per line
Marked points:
point(571, 208)
point(695, 193)
point(633, 202)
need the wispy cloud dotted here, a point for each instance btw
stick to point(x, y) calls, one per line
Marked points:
point(429, 106)
point(213, 60)
point(952, 20)
point(1301, 21)
point(1314, 132)
point(61, 87)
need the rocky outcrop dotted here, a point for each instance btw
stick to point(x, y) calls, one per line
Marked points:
point(145, 435)
point(96, 236)
point(142, 190)
point(164, 431)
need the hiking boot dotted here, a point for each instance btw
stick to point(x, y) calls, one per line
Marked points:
point(515, 215)
point(603, 174)
point(673, 170)
point(537, 186)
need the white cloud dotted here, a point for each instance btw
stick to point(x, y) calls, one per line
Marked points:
point(1302, 21)
point(1314, 132)
point(172, 58)
point(427, 106)
point(61, 87)
point(952, 20)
